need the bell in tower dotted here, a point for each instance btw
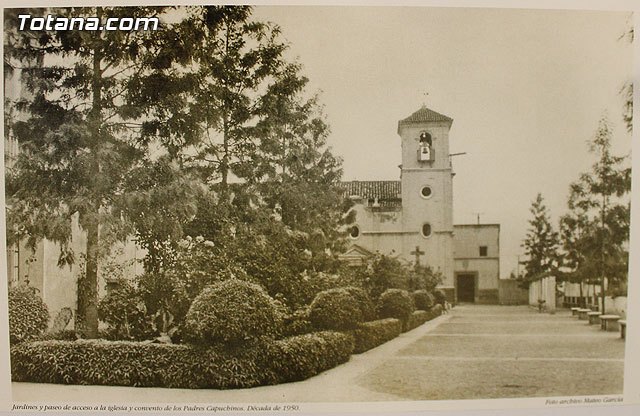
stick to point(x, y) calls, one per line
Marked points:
point(425, 150)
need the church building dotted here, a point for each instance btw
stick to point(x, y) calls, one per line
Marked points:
point(412, 218)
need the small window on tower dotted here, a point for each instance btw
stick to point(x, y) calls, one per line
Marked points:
point(426, 192)
point(483, 251)
point(354, 232)
point(426, 230)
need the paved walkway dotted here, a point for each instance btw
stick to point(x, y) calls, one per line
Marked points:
point(473, 352)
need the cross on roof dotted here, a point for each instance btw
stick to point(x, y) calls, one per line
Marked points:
point(417, 252)
point(425, 94)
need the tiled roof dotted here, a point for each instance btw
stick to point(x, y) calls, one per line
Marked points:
point(425, 115)
point(388, 193)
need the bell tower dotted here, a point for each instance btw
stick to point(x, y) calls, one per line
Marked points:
point(427, 192)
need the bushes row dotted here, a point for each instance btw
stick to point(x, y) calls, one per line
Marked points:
point(369, 335)
point(345, 308)
point(125, 363)
point(341, 309)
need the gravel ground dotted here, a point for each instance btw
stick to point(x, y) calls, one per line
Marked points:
point(436, 379)
point(504, 352)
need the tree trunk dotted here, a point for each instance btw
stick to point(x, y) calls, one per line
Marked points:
point(87, 314)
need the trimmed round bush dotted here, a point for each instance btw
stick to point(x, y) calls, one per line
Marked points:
point(422, 299)
point(232, 313)
point(28, 315)
point(335, 309)
point(367, 309)
point(440, 297)
point(395, 303)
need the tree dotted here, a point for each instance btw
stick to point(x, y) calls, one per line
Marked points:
point(258, 125)
point(540, 244)
point(627, 89)
point(574, 227)
point(596, 231)
point(232, 62)
point(300, 177)
point(81, 148)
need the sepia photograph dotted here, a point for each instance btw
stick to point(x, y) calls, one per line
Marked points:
point(275, 208)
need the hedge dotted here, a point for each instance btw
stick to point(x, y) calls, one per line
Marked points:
point(418, 318)
point(436, 310)
point(297, 323)
point(124, 363)
point(28, 315)
point(369, 335)
point(298, 358)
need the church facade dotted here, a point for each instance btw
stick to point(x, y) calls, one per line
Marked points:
point(412, 218)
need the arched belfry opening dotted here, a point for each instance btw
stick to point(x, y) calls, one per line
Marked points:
point(425, 150)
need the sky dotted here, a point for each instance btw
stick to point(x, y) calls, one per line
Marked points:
point(526, 89)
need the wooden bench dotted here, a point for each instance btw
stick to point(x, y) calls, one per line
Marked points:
point(594, 317)
point(609, 322)
point(623, 328)
point(582, 314)
point(574, 311)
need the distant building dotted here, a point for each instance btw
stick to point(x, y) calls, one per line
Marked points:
point(476, 252)
point(412, 218)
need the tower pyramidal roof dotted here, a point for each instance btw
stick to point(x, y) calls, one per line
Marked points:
point(423, 115)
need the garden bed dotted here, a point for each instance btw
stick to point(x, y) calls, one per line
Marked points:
point(100, 362)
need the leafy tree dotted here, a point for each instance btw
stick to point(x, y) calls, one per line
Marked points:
point(627, 89)
point(301, 178)
point(232, 62)
point(540, 244)
point(81, 147)
point(596, 231)
point(273, 201)
point(381, 272)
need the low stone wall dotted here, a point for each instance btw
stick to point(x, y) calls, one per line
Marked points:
point(509, 293)
point(544, 289)
point(488, 296)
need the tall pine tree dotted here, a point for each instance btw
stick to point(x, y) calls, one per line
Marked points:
point(540, 244)
point(81, 147)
